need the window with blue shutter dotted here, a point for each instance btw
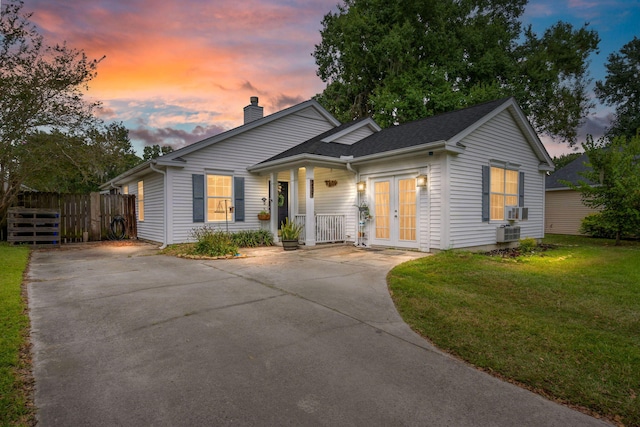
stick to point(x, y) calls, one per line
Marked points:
point(502, 188)
point(238, 197)
point(198, 197)
point(521, 190)
point(486, 193)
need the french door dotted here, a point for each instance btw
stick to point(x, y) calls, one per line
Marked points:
point(394, 211)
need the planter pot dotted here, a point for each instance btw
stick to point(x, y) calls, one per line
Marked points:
point(264, 217)
point(290, 245)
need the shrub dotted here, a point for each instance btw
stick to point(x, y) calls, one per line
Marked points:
point(212, 242)
point(252, 238)
point(290, 230)
point(528, 244)
point(595, 225)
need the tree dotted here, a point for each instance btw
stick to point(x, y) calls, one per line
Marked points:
point(564, 159)
point(153, 151)
point(399, 61)
point(615, 167)
point(41, 88)
point(621, 89)
point(73, 164)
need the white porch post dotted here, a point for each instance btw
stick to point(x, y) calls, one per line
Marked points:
point(273, 205)
point(293, 193)
point(310, 223)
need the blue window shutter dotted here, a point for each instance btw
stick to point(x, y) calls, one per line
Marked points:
point(198, 197)
point(486, 193)
point(238, 196)
point(521, 190)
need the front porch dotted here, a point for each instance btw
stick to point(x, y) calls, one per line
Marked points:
point(323, 200)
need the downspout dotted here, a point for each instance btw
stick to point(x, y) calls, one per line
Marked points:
point(166, 202)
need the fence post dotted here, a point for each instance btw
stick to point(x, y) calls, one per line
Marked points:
point(94, 209)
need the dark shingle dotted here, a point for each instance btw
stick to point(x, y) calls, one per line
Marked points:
point(431, 129)
point(570, 172)
point(316, 146)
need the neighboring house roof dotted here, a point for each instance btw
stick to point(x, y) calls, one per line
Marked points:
point(571, 173)
point(445, 130)
point(174, 158)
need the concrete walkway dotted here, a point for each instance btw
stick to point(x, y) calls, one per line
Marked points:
point(125, 337)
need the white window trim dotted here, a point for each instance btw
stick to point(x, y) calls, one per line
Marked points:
point(506, 166)
point(232, 215)
point(140, 200)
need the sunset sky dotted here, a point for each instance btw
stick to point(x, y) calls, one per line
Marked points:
point(176, 72)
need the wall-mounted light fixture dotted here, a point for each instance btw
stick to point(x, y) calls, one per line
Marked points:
point(361, 186)
point(421, 181)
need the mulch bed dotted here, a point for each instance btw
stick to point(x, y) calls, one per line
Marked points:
point(516, 252)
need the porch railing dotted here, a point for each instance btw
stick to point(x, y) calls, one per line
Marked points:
point(329, 228)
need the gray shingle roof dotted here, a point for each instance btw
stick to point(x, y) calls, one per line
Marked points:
point(431, 129)
point(570, 172)
point(316, 146)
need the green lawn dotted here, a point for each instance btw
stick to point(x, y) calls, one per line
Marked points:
point(14, 400)
point(564, 322)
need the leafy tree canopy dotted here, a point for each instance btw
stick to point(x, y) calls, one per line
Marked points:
point(615, 166)
point(621, 89)
point(153, 151)
point(399, 61)
point(41, 101)
point(72, 164)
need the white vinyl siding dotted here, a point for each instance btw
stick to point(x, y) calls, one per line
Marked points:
point(499, 139)
point(152, 226)
point(235, 155)
point(432, 222)
point(355, 136)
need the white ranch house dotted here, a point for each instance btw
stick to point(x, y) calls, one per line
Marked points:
point(450, 181)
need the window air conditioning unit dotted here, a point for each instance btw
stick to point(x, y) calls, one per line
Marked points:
point(508, 233)
point(514, 213)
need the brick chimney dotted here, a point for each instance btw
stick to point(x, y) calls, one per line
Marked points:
point(252, 112)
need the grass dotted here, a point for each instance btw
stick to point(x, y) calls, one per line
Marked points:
point(564, 322)
point(15, 405)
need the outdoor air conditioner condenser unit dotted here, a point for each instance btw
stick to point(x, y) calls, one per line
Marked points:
point(507, 233)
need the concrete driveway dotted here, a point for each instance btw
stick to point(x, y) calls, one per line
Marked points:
point(122, 336)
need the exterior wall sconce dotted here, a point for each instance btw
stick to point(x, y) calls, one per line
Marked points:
point(361, 186)
point(421, 181)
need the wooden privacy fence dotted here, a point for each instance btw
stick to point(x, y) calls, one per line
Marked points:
point(85, 216)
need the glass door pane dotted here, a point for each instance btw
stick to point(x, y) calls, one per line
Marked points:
point(407, 209)
point(382, 208)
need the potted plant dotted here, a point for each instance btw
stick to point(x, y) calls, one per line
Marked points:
point(264, 216)
point(289, 234)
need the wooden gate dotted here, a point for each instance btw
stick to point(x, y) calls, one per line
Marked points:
point(85, 213)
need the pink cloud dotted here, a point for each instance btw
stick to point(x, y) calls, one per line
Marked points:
point(216, 54)
point(176, 138)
